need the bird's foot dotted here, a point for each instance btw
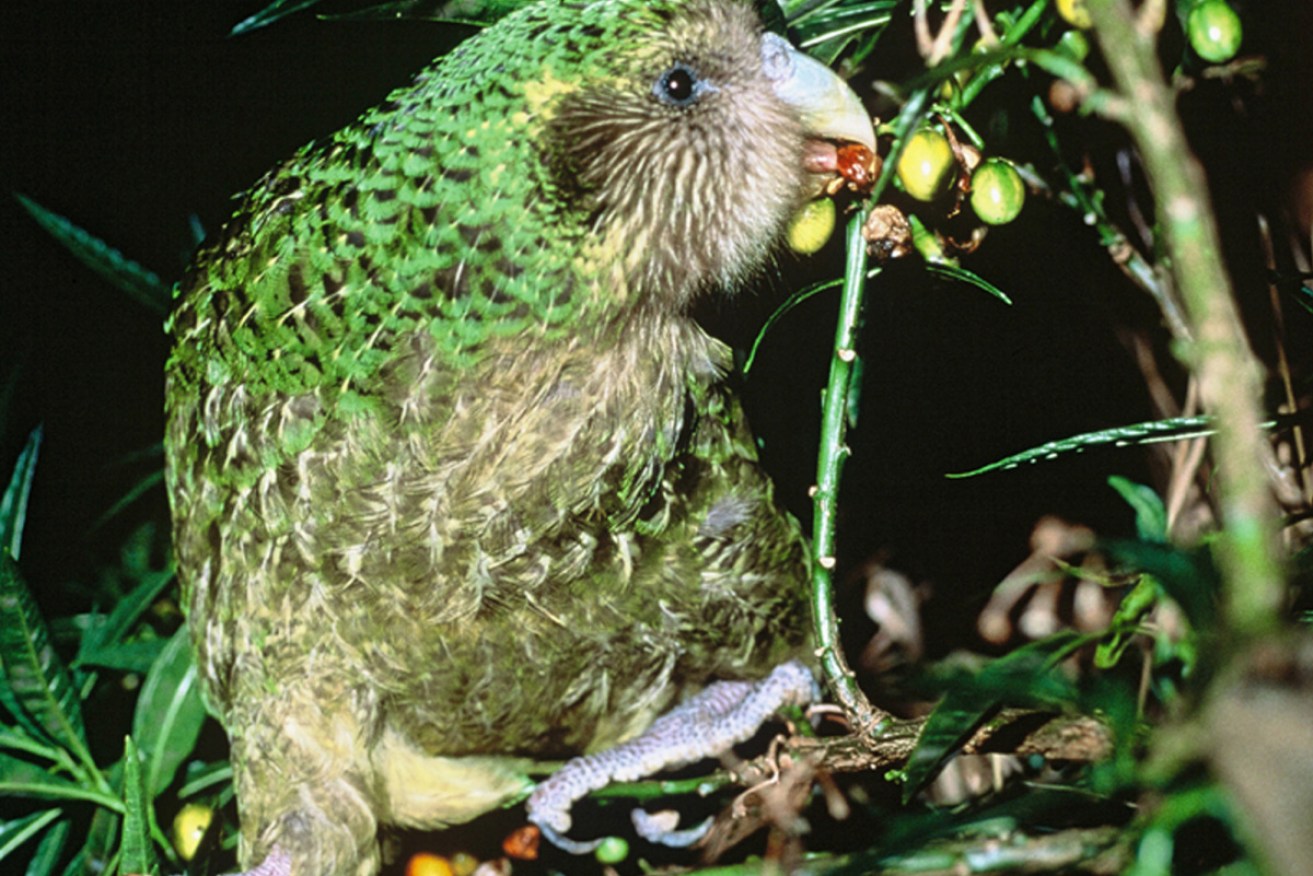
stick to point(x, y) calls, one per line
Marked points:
point(276, 863)
point(707, 725)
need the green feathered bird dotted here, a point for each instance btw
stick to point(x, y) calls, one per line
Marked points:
point(456, 478)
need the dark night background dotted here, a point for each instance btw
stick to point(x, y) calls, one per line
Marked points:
point(130, 117)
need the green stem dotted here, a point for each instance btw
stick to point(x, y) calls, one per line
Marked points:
point(1023, 25)
point(1228, 374)
point(62, 792)
point(1083, 198)
point(840, 678)
point(840, 396)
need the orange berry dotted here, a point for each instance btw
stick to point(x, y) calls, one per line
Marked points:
point(522, 843)
point(428, 864)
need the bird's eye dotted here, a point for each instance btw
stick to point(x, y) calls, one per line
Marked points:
point(679, 86)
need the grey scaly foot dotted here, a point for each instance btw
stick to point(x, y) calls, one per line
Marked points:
point(707, 725)
point(276, 863)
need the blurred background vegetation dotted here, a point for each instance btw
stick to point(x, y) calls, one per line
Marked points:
point(138, 121)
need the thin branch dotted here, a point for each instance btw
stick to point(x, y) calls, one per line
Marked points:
point(1230, 378)
point(1020, 732)
point(840, 677)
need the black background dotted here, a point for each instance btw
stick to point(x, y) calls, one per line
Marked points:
point(132, 117)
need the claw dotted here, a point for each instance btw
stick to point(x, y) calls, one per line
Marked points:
point(707, 725)
point(659, 828)
point(564, 843)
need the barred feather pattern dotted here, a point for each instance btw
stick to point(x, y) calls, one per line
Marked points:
point(455, 477)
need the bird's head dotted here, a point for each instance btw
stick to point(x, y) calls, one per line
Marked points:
point(672, 135)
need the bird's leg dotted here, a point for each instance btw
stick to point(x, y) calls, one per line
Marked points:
point(303, 793)
point(707, 725)
point(420, 790)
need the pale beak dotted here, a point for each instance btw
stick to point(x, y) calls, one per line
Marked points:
point(828, 108)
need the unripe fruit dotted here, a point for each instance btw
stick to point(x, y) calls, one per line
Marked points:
point(926, 164)
point(811, 226)
point(1215, 31)
point(997, 192)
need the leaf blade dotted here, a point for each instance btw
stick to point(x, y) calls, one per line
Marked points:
point(170, 713)
point(40, 692)
point(140, 283)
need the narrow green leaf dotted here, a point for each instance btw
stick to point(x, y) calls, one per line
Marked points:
point(135, 657)
point(169, 713)
point(50, 850)
point(142, 284)
point(953, 720)
point(102, 841)
point(110, 632)
point(39, 692)
point(14, 833)
point(13, 504)
point(18, 778)
point(275, 11)
point(135, 492)
point(1150, 513)
point(962, 275)
point(827, 30)
point(137, 855)
point(206, 777)
point(791, 302)
point(77, 865)
point(1154, 431)
point(16, 740)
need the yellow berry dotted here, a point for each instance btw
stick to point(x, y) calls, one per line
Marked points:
point(926, 164)
point(189, 827)
point(1074, 13)
point(811, 226)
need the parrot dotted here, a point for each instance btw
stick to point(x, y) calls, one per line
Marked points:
point(459, 482)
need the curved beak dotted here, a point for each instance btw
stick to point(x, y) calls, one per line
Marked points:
point(828, 108)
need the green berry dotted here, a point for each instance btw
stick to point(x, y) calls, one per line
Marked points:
point(997, 192)
point(612, 850)
point(1215, 31)
point(1074, 45)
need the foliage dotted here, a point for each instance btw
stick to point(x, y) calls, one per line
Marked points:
point(1198, 598)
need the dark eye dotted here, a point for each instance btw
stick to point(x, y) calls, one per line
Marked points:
point(679, 86)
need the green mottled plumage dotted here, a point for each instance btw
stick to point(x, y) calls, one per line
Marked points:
point(453, 472)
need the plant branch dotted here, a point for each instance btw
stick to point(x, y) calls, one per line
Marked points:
point(834, 450)
point(1229, 375)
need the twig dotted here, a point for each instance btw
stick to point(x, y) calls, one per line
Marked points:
point(1020, 732)
point(1291, 404)
point(1138, 269)
point(1229, 375)
point(983, 24)
point(1094, 851)
point(935, 49)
